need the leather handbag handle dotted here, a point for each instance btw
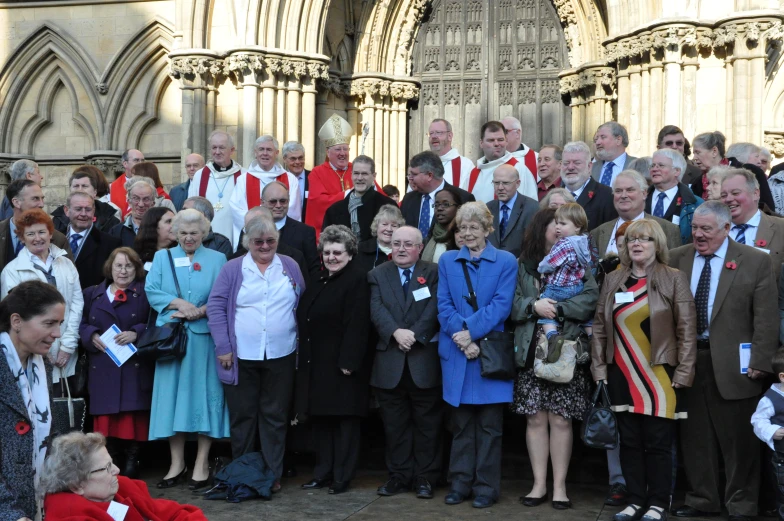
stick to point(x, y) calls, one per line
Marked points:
point(174, 273)
point(471, 298)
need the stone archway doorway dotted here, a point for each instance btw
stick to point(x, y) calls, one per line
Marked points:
point(486, 59)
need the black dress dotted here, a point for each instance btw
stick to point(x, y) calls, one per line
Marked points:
point(369, 255)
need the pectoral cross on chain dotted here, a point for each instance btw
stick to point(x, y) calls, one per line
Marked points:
point(218, 207)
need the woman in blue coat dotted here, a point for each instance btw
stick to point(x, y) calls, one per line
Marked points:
point(475, 461)
point(187, 396)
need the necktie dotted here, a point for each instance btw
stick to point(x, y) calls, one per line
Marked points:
point(48, 274)
point(75, 238)
point(607, 174)
point(574, 195)
point(407, 275)
point(424, 216)
point(703, 292)
point(18, 247)
point(504, 219)
point(741, 236)
point(659, 210)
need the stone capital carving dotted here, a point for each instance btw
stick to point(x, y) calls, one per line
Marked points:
point(361, 88)
point(110, 166)
point(774, 141)
point(602, 78)
point(188, 67)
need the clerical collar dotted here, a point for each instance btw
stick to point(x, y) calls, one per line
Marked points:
point(336, 169)
point(219, 168)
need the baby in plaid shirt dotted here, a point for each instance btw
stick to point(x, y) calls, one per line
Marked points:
point(564, 267)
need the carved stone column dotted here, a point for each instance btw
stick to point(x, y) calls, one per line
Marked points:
point(591, 91)
point(108, 161)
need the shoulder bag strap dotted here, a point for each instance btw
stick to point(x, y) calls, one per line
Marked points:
point(471, 298)
point(174, 273)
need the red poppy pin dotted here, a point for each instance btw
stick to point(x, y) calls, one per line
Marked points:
point(731, 265)
point(120, 295)
point(421, 280)
point(678, 201)
point(761, 243)
point(389, 257)
point(196, 266)
point(590, 195)
point(95, 218)
point(22, 428)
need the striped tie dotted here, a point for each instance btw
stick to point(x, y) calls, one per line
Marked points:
point(741, 235)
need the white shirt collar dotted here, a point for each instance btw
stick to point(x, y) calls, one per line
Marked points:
point(755, 220)
point(721, 253)
point(621, 220)
point(249, 264)
point(440, 187)
point(579, 191)
point(510, 203)
point(83, 233)
point(280, 224)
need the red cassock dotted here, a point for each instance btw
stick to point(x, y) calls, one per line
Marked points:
point(117, 194)
point(324, 189)
point(67, 506)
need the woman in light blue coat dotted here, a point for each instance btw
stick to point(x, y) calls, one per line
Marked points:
point(187, 396)
point(477, 417)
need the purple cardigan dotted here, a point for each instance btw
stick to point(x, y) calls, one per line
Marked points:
point(222, 307)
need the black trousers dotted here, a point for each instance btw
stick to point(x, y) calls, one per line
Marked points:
point(647, 458)
point(337, 440)
point(413, 419)
point(260, 402)
point(475, 462)
point(777, 462)
point(714, 426)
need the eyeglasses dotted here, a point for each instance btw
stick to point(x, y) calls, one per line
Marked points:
point(396, 245)
point(107, 468)
point(145, 200)
point(678, 143)
point(262, 242)
point(444, 206)
point(276, 202)
point(634, 240)
point(438, 134)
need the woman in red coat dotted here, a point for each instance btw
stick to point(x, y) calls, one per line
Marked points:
point(79, 482)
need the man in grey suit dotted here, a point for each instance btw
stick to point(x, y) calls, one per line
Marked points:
point(610, 141)
point(511, 211)
point(406, 370)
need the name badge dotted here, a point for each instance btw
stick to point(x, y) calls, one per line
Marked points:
point(182, 262)
point(624, 297)
point(117, 511)
point(147, 266)
point(421, 294)
point(676, 220)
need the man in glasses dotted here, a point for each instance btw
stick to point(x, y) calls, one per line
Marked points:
point(456, 167)
point(669, 198)
point(117, 193)
point(141, 197)
point(672, 137)
point(512, 211)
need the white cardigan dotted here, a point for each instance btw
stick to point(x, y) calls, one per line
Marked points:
point(21, 269)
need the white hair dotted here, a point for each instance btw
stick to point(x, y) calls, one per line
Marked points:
point(676, 157)
point(574, 147)
point(137, 180)
point(635, 176)
point(229, 137)
point(742, 151)
point(264, 139)
point(291, 146)
point(21, 168)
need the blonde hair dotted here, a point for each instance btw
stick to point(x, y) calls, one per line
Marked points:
point(573, 213)
point(641, 228)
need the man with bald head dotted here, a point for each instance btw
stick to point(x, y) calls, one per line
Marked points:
point(179, 193)
point(516, 147)
point(512, 211)
point(117, 194)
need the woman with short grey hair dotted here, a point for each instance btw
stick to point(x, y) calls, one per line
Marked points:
point(252, 318)
point(189, 217)
point(376, 250)
point(556, 198)
point(338, 234)
point(79, 479)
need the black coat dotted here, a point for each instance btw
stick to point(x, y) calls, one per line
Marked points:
point(125, 234)
point(412, 203)
point(372, 201)
point(369, 256)
point(218, 242)
point(597, 201)
point(302, 237)
point(96, 248)
point(105, 218)
point(334, 319)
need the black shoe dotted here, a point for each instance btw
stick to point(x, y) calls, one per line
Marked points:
point(687, 511)
point(483, 502)
point(638, 512)
point(173, 482)
point(533, 501)
point(204, 483)
point(131, 467)
point(662, 514)
point(317, 483)
point(454, 498)
point(393, 487)
point(616, 497)
point(562, 505)
point(338, 487)
point(423, 489)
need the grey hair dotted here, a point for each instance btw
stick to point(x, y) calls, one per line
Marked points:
point(617, 130)
point(338, 234)
point(643, 166)
point(291, 146)
point(708, 140)
point(78, 194)
point(388, 212)
point(257, 227)
point(742, 151)
point(475, 211)
point(427, 161)
point(515, 122)
point(445, 122)
point(261, 210)
point(265, 138)
point(718, 170)
point(678, 161)
point(126, 155)
point(203, 205)
point(557, 151)
point(21, 168)
point(716, 208)
point(765, 152)
point(67, 461)
point(751, 180)
point(140, 180)
point(635, 176)
point(190, 216)
point(229, 137)
point(563, 192)
point(367, 160)
point(273, 183)
point(574, 147)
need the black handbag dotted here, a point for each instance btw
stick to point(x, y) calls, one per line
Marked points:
point(166, 342)
point(68, 414)
point(600, 427)
point(496, 349)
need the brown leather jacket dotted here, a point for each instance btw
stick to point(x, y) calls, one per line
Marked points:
point(673, 322)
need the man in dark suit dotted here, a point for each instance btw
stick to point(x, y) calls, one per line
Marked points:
point(672, 137)
point(406, 369)
point(23, 194)
point(179, 193)
point(426, 177)
point(293, 154)
point(90, 246)
point(740, 192)
point(735, 306)
point(361, 204)
point(511, 211)
point(596, 199)
point(668, 198)
point(610, 142)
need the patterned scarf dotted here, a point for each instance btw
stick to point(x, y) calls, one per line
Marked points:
point(354, 202)
point(35, 395)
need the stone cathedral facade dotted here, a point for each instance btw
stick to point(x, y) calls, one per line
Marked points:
point(82, 80)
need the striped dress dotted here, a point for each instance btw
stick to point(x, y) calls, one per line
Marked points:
point(634, 385)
